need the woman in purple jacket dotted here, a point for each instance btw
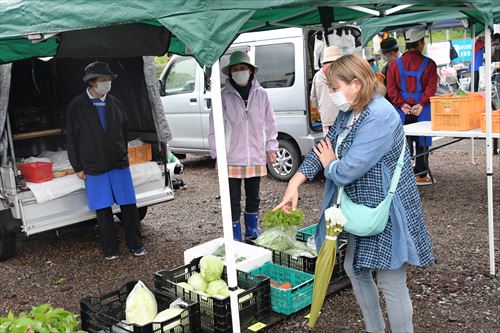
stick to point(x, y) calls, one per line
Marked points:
point(251, 138)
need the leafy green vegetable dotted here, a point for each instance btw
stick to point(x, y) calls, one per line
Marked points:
point(41, 319)
point(217, 287)
point(211, 268)
point(277, 238)
point(197, 282)
point(280, 218)
point(460, 93)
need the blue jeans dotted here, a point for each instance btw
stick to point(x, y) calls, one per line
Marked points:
point(393, 285)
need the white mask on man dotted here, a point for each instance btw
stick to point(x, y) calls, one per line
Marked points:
point(241, 77)
point(340, 101)
point(103, 87)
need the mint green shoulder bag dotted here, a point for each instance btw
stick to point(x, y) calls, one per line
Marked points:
point(363, 220)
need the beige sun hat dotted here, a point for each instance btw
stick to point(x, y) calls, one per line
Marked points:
point(331, 53)
point(239, 57)
point(414, 35)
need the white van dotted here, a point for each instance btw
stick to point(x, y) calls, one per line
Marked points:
point(34, 113)
point(285, 65)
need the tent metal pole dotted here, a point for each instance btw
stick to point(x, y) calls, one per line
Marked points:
point(396, 9)
point(489, 148)
point(473, 60)
point(364, 10)
point(220, 144)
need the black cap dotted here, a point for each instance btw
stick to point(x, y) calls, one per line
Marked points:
point(97, 69)
point(388, 45)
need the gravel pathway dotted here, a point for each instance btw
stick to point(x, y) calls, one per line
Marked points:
point(455, 295)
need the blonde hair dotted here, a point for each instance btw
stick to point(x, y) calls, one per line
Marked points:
point(350, 67)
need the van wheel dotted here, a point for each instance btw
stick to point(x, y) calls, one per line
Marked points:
point(142, 213)
point(7, 244)
point(287, 161)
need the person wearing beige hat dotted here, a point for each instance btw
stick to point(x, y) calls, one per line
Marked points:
point(251, 139)
point(320, 91)
point(411, 81)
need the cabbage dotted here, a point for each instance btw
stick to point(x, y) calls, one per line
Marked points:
point(141, 307)
point(277, 238)
point(197, 282)
point(185, 286)
point(217, 287)
point(166, 315)
point(211, 268)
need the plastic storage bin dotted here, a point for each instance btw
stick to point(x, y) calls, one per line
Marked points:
point(254, 256)
point(495, 125)
point(450, 113)
point(103, 313)
point(254, 302)
point(290, 300)
point(36, 172)
point(140, 154)
point(306, 264)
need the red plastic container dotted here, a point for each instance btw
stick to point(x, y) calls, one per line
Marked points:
point(36, 172)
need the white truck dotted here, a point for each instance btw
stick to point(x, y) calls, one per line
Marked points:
point(33, 98)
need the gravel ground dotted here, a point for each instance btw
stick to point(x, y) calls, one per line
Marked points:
point(455, 295)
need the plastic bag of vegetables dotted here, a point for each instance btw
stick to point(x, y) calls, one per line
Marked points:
point(176, 308)
point(141, 307)
point(277, 238)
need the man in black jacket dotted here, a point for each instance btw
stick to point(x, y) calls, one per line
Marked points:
point(96, 135)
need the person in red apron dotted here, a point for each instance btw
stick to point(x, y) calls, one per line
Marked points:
point(411, 80)
point(96, 138)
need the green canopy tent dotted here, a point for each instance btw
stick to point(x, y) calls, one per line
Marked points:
point(372, 26)
point(201, 28)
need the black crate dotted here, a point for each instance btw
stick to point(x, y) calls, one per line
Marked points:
point(254, 302)
point(100, 314)
point(306, 264)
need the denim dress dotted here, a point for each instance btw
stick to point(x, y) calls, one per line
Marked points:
point(366, 161)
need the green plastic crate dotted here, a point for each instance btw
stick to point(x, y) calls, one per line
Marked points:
point(291, 300)
point(304, 233)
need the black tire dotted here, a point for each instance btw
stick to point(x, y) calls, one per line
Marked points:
point(142, 213)
point(7, 244)
point(288, 161)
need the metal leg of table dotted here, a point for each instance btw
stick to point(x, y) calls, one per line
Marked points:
point(473, 151)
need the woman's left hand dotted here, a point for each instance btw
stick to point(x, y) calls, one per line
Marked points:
point(325, 153)
point(271, 157)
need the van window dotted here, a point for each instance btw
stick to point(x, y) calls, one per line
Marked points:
point(181, 77)
point(276, 65)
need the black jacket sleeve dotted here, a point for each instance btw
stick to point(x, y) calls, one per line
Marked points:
point(72, 138)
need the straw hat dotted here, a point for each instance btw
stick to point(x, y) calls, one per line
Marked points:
point(331, 53)
point(239, 57)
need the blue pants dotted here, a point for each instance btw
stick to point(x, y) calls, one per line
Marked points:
point(392, 282)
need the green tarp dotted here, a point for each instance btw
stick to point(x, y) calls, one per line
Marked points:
point(203, 28)
point(371, 26)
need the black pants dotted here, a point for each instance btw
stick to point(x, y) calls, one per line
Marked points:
point(422, 161)
point(107, 230)
point(252, 198)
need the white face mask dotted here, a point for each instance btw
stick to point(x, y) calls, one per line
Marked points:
point(340, 101)
point(103, 87)
point(241, 77)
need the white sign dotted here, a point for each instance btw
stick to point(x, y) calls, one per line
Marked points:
point(439, 52)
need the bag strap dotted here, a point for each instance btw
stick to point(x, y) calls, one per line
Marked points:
point(395, 177)
point(397, 171)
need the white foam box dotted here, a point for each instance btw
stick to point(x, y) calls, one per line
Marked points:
point(254, 256)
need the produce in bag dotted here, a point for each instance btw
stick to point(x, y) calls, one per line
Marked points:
point(211, 267)
point(176, 308)
point(277, 238)
point(141, 307)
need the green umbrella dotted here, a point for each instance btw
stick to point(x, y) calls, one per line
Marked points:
point(325, 262)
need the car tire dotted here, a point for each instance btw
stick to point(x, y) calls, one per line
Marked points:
point(7, 244)
point(288, 161)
